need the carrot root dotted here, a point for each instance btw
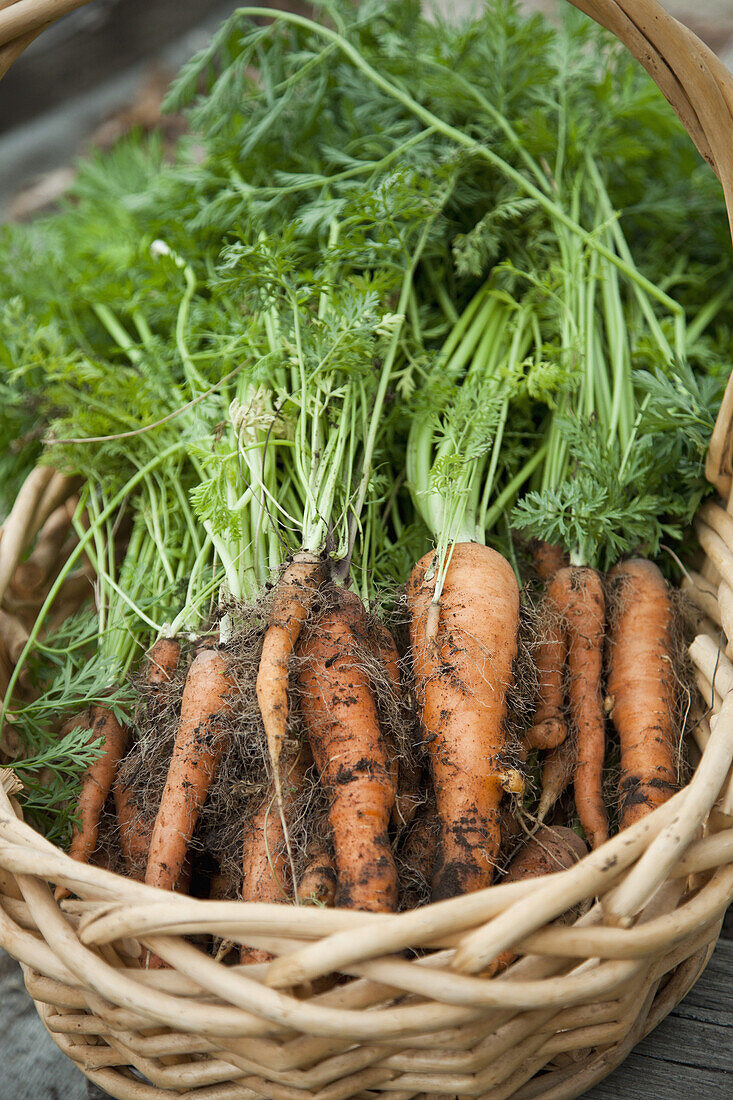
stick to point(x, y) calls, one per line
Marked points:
point(294, 597)
point(577, 593)
point(557, 771)
point(549, 850)
point(549, 728)
point(548, 559)
point(96, 785)
point(462, 682)
point(162, 662)
point(352, 755)
point(318, 882)
point(266, 870)
point(641, 686)
point(197, 750)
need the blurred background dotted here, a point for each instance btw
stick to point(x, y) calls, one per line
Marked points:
point(104, 68)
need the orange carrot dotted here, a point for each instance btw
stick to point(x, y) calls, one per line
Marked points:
point(386, 653)
point(294, 596)
point(549, 728)
point(135, 828)
point(162, 662)
point(197, 750)
point(317, 885)
point(266, 868)
point(95, 785)
point(577, 593)
point(462, 678)
point(351, 754)
point(406, 773)
point(548, 559)
point(548, 851)
point(557, 771)
point(641, 684)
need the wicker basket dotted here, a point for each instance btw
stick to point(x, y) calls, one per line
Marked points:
point(558, 1021)
point(23, 20)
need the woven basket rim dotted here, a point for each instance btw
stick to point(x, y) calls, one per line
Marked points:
point(259, 1031)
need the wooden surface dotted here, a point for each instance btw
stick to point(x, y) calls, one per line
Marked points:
point(688, 1057)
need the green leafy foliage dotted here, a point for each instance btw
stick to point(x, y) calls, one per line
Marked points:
point(238, 343)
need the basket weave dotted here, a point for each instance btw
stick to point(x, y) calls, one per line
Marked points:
point(558, 1021)
point(23, 20)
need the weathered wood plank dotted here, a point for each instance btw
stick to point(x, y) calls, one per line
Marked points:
point(690, 1054)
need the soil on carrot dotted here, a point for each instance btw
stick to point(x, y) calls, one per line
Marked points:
point(243, 777)
point(685, 714)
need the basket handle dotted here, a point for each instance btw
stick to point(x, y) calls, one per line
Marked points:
point(700, 89)
point(23, 20)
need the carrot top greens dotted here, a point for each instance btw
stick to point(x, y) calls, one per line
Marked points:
point(403, 282)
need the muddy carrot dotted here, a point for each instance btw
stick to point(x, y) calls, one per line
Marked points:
point(551, 849)
point(641, 685)
point(548, 558)
point(549, 728)
point(351, 753)
point(199, 743)
point(462, 679)
point(317, 885)
point(293, 599)
point(162, 662)
point(135, 828)
point(577, 592)
point(265, 865)
point(557, 771)
point(96, 784)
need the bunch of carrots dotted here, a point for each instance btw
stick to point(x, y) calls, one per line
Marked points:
point(399, 416)
point(458, 676)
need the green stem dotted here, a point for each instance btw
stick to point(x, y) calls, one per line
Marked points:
point(460, 138)
point(76, 553)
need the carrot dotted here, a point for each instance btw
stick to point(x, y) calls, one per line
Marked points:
point(135, 829)
point(549, 728)
point(351, 754)
point(265, 865)
point(577, 593)
point(96, 784)
point(462, 680)
point(641, 685)
point(294, 596)
point(317, 885)
point(548, 558)
point(196, 753)
point(557, 771)
point(162, 662)
point(406, 773)
point(548, 851)
point(135, 826)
